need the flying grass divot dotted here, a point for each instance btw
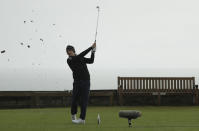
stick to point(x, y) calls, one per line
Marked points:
point(130, 114)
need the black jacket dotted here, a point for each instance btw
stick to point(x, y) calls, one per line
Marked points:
point(78, 65)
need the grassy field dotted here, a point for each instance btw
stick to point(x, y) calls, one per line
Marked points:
point(58, 119)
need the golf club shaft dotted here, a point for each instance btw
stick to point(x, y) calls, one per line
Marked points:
point(97, 23)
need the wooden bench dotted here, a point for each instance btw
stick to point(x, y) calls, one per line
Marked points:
point(157, 86)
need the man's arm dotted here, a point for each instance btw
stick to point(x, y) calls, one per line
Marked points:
point(91, 59)
point(69, 63)
point(85, 52)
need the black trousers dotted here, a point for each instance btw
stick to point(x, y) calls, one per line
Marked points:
point(80, 92)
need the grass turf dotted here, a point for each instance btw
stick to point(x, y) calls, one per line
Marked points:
point(58, 119)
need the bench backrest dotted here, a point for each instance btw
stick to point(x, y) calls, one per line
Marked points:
point(156, 83)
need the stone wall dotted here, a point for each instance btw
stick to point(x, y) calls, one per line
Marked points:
point(17, 99)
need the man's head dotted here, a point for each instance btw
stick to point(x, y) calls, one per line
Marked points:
point(70, 50)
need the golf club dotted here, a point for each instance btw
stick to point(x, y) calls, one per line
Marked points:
point(98, 10)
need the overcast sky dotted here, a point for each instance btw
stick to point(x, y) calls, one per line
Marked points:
point(135, 38)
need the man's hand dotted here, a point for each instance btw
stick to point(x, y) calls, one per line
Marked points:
point(94, 45)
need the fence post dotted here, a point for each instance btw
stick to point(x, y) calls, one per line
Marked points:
point(120, 96)
point(120, 91)
point(158, 90)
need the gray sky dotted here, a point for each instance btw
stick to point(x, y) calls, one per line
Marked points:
point(135, 38)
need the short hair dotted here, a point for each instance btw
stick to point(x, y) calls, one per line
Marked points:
point(70, 48)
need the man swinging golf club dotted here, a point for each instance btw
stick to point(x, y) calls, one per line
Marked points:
point(81, 84)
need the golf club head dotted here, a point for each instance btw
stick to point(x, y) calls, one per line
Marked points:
point(98, 8)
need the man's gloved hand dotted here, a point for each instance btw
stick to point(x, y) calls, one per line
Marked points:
point(94, 47)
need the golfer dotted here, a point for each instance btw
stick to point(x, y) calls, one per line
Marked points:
point(81, 84)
